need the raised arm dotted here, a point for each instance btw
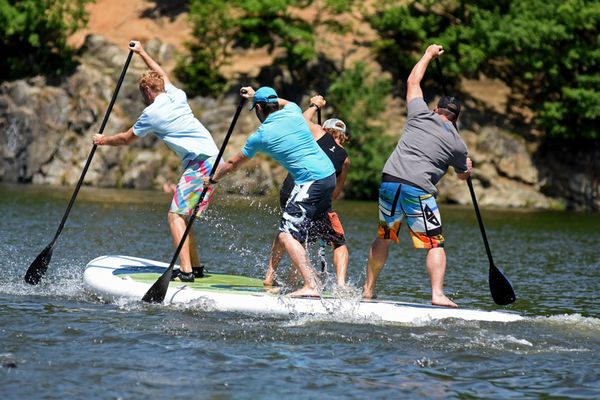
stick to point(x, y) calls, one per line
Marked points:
point(137, 47)
point(316, 102)
point(341, 179)
point(413, 89)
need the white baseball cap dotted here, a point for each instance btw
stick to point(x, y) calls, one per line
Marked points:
point(334, 123)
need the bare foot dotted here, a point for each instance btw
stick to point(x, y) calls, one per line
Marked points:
point(269, 278)
point(367, 294)
point(270, 285)
point(273, 289)
point(305, 292)
point(443, 301)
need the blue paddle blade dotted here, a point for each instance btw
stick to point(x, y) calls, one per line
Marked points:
point(500, 287)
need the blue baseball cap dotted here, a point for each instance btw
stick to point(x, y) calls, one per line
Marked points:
point(264, 94)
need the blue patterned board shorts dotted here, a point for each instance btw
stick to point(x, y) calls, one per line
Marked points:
point(399, 202)
point(190, 186)
point(308, 203)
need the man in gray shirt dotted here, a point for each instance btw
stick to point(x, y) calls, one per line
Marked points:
point(429, 145)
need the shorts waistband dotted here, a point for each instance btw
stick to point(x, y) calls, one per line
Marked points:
point(391, 178)
point(200, 159)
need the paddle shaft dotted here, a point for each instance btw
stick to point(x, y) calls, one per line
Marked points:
point(38, 267)
point(213, 170)
point(479, 219)
point(469, 181)
point(500, 287)
point(158, 291)
point(442, 81)
point(321, 252)
point(321, 244)
point(94, 147)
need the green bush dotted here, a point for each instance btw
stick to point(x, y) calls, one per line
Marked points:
point(546, 51)
point(33, 36)
point(359, 99)
point(221, 27)
point(212, 25)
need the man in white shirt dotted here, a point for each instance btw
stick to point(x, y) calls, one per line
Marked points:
point(170, 118)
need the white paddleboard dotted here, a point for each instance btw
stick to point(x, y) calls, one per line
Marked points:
point(116, 277)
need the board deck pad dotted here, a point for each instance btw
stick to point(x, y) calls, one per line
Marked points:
point(210, 281)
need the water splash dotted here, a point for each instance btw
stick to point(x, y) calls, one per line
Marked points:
point(572, 321)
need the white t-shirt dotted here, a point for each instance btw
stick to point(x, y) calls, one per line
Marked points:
point(171, 119)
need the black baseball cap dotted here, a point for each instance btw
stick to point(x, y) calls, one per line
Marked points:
point(450, 104)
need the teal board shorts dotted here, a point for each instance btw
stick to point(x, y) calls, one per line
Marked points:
point(400, 202)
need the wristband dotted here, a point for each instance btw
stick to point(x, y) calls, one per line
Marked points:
point(314, 105)
point(212, 181)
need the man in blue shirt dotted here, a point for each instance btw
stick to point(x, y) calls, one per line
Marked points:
point(170, 118)
point(285, 136)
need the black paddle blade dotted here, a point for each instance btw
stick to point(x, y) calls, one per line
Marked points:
point(158, 291)
point(500, 287)
point(38, 267)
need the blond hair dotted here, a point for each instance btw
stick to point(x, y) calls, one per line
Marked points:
point(152, 81)
point(337, 134)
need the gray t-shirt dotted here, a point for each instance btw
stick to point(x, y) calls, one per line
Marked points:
point(426, 149)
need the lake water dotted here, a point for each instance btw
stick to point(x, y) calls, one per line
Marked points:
point(57, 341)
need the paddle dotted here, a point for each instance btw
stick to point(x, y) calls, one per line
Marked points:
point(500, 287)
point(38, 267)
point(319, 115)
point(158, 291)
point(321, 252)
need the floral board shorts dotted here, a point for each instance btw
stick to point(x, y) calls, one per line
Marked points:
point(190, 186)
point(399, 202)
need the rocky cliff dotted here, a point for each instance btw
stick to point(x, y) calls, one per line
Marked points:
point(46, 131)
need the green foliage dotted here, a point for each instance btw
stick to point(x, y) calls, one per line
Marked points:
point(33, 36)
point(554, 58)
point(271, 23)
point(358, 99)
point(220, 27)
point(403, 30)
point(547, 51)
point(213, 30)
